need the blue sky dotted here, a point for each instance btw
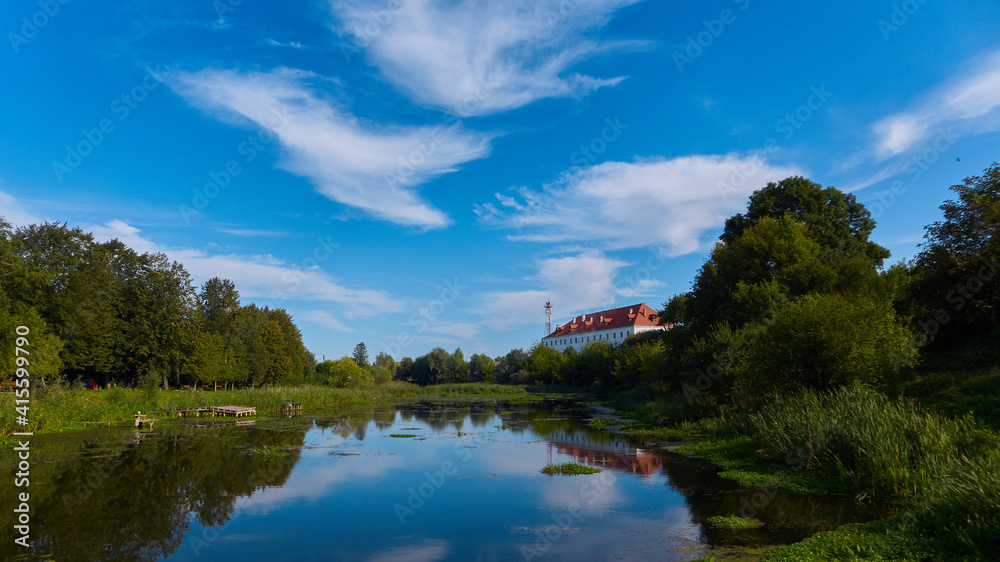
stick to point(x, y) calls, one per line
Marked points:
point(416, 173)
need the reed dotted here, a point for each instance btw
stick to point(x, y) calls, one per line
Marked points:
point(875, 445)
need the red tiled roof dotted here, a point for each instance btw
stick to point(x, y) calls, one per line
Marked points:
point(626, 316)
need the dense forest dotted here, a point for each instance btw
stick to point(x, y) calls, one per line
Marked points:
point(103, 312)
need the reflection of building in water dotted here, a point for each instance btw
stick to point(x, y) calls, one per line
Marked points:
point(612, 452)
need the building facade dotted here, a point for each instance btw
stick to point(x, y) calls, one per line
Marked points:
point(612, 326)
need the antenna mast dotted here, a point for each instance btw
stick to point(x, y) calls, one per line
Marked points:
point(548, 317)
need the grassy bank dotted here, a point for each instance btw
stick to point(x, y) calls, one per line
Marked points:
point(60, 409)
point(944, 472)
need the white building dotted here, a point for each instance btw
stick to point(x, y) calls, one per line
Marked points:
point(612, 326)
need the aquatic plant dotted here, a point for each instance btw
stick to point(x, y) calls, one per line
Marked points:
point(569, 469)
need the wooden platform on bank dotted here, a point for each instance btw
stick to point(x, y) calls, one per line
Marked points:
point(234, 411)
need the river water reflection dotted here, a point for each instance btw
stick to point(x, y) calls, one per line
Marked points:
point(421, 481)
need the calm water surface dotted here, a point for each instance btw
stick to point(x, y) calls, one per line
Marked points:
point(464, 486)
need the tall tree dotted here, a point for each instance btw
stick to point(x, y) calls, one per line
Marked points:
point(958, 271)
point(360, 355)
point(218, 303)
point(836, 220)
point(481, 368)
point(65, 276)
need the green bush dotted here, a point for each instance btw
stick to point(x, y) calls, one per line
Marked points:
point(823, 341)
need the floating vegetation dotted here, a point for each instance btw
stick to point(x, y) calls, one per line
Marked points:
point(569, 469)
point(734, 522)
point(269, 451)
point(599, 423)
point(401, 435)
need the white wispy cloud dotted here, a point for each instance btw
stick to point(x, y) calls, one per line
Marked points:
point(253, 232)
point(260, 277)
point(970, 104)
point(370, 167)
point(665, 203)
point(583, 281)
point(478, 57)
point(459, 330)
point(325, 319)
point(14, 212)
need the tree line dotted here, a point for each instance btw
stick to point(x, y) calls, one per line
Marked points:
point(795, 295)
point(105, 312)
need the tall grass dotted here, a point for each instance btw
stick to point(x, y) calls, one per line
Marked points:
point(477, 388)
point(947, 471)
point(56, 408)
point(876, 445)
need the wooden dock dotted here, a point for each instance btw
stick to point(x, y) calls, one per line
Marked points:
point(213, 425)
point(234, 411)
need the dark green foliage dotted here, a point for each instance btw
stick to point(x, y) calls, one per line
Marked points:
point(957, 284)
point(826, 341)
point(545, 364)
point(360, 355)
point(835, 219)
point(481, 368)
point(105, 312)
point(510, 368)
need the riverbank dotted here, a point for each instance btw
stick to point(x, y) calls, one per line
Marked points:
point(944, 473)
point(56, 409)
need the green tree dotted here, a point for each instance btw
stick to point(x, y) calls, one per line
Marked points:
point(218, 302)
point(404, 370)
point(481, 368)
point(346, 373)
point(675, 310)
point(360, 355)
point(835, 219)
point(208, 362)
point(64, 275)
point(545, 365)
point(457, 368)
point(510, 368)
point(825, 341)
point(958, 271)
point(768, 264)
point(292, 347)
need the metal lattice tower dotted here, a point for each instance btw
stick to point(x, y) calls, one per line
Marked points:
point(548, 317)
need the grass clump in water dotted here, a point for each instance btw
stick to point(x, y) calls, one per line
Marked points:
point(269, 451)
point(401, 435)
point(734, 522)
point(569, 469)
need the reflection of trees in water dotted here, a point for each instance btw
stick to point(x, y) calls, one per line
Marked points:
point(789, 517)
point(135, 504)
